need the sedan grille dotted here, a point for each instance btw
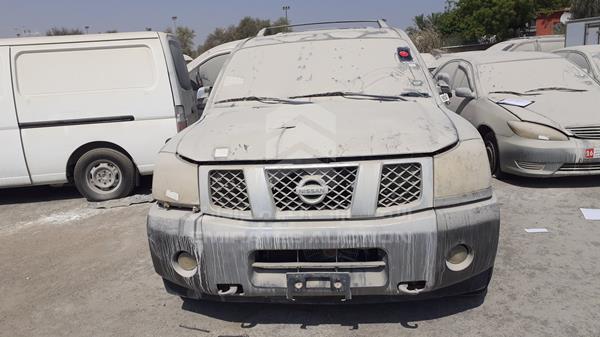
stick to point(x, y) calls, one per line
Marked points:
point(228, 190)
point(400, 184)
point(580, 167)
point(589, 132)
point(339, 183)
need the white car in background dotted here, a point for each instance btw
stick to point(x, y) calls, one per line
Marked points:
point(93, 110)
point(546, 43)
point(586, 57)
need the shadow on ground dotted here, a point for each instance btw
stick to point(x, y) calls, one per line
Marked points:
point(558, 182)
point(250, 315)
point(32, 194)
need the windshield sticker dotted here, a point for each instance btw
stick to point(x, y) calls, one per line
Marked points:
point(515, 102)
point(404, 54)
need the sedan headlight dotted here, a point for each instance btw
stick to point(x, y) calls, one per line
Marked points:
point(462, 174)
point(536, 131)
point(175, 181)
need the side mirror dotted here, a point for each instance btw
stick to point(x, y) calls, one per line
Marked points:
point(443, 77)
point(464, 93)
point(203, 93)
point(443, 81)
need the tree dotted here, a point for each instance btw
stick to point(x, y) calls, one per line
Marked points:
point(247, 27)
point(186, 37)
point(55, 31)
point(585, 8)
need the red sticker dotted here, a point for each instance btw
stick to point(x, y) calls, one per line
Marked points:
point(589, 153)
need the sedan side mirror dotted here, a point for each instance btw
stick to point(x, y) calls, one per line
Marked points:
point(203, 93)
point(443, 81)
point(465, 93)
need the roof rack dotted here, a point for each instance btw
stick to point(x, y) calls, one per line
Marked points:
point(381, 22)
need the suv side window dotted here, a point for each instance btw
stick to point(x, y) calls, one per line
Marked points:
point(206, 74)
point(580, 61)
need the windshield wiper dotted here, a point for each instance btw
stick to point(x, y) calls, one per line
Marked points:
point(516, 93)
point(352, 95)
point(557, 89)
point(415, 94)
point(266, 100)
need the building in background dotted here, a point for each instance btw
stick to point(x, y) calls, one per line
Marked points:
point(552, 23)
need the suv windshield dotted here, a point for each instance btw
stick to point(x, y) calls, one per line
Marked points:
point(284, 70)
point(532, 75)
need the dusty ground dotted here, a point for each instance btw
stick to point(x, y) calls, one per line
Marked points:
point(68, 270)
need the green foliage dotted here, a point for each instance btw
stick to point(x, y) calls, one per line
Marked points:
point(185, 36)
point(247, 27)
point(56, 31)
point(585, 8)
point(473, 21)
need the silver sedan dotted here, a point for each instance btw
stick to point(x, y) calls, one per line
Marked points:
point(537, 113)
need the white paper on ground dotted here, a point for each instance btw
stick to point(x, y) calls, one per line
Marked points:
point(536, 230)
point(591, 213)
point(516, 102)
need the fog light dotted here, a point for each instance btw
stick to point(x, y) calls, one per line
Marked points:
point(459, 258)
point(186, 261)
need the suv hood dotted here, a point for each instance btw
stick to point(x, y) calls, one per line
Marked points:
point(559, 109)
point(331, 128)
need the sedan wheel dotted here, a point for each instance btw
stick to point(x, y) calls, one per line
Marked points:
point(491, 148)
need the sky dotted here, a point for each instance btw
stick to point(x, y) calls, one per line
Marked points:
point(37, 16)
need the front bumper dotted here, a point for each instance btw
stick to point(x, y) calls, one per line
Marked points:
point(537, 158)
point(416, 247)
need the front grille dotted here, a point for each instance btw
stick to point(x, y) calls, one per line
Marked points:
point(333, 259)
point(228, 190)
point(580, 167)
point(340, 183)
point(588, 132)
point(400, 184)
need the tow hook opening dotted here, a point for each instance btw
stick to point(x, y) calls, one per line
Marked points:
point(412, 287)
point(229, 289)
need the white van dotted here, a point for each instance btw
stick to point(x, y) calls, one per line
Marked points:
point(93, 110)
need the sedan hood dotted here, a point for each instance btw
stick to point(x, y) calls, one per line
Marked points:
point(559, 109)
point(332, 128)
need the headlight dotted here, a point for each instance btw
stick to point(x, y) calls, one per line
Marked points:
point(175, 181)
point(462, 174)
point(536, 131)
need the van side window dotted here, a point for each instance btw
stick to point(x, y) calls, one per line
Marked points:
point(528, 46)
point(180, 68)
point(208, 72)
point(548, 46)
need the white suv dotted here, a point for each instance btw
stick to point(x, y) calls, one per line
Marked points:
point(325, 165)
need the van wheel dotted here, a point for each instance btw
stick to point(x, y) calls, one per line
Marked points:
point(104, 174)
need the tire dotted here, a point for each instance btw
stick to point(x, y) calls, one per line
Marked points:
point(104, 174)
point(491, 148)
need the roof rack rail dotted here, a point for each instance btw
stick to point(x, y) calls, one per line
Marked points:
point(381, 22)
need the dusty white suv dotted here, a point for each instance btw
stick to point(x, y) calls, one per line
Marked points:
point(325, 166)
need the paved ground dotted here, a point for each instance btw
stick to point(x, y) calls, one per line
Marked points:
point(69, 270)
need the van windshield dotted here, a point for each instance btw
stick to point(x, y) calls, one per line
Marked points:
point(284, 70)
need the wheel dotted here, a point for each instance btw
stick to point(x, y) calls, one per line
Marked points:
point(104, 174)
point(491, 147)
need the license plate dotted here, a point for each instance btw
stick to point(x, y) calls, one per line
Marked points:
point(592, 153)
point(318, 284)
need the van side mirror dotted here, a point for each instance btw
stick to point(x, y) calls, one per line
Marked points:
point(464, 93)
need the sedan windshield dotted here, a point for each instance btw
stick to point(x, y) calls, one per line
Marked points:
point(308, 69)
point(534, 76)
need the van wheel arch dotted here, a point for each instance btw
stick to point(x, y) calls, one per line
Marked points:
point(91, 146)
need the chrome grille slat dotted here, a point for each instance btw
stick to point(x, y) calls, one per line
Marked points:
point(581, 167)
point(228, 190)
point(400, 184)
point(590, 132)
point(340, 181)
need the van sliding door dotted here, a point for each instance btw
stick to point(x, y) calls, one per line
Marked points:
point(13, 170)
